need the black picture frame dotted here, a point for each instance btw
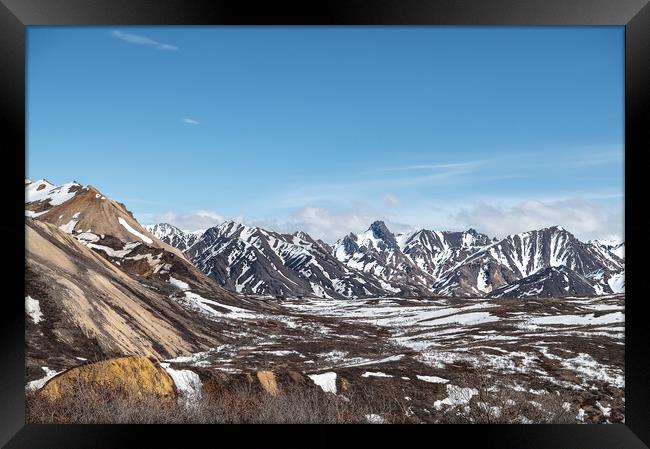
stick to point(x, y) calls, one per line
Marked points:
point(634, 15)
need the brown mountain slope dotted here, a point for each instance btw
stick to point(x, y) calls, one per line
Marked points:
point(91, 307)
point(110, 229)
point(92, 212)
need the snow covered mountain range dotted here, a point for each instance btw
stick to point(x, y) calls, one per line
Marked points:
point(377, 262)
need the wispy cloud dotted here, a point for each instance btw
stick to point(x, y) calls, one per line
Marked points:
point(365, 184)
point(391, 199)
point(142, 40)
point(445, 166)
point(191, 121)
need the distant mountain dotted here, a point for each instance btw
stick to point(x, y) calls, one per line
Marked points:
point(521, 255)
point(377, 252)
point(417, 258)
point(378, 262)
point(436, 252)
point(173, 236)
point(610, 246)
point(256, 261)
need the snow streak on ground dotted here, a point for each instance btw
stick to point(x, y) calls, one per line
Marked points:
point(574, 342)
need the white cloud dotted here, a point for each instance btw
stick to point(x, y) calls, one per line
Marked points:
point(142, 40)
point(391, 199)
point(189, 221)
point(584, 219)
point(329, 225)
point(191, 121)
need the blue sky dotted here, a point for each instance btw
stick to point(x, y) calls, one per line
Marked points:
point(327, 128)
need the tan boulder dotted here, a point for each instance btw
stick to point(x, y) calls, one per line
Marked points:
point(133, 376)
point(268, 382)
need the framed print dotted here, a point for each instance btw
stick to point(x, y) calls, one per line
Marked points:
point(370, 214)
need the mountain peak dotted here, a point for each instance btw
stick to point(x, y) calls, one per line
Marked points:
point(159, 229)
point(228, 224)
point(557, 229)
point(380, 231)
point(379, 228)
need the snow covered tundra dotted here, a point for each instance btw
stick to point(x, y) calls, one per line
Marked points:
point(445, 360)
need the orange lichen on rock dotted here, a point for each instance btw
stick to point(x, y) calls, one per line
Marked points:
point(133, 377)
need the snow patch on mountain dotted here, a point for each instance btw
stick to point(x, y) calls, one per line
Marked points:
point(43, 191)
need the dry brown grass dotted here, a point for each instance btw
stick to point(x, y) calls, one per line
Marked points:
point(497, 401)
point(243, 404)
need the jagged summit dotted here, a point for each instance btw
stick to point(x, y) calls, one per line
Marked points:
point(381, 232)
point(173, 236)
point(378, 226)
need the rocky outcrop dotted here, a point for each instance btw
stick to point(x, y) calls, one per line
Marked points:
point(132, 377)
point(268, 382)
